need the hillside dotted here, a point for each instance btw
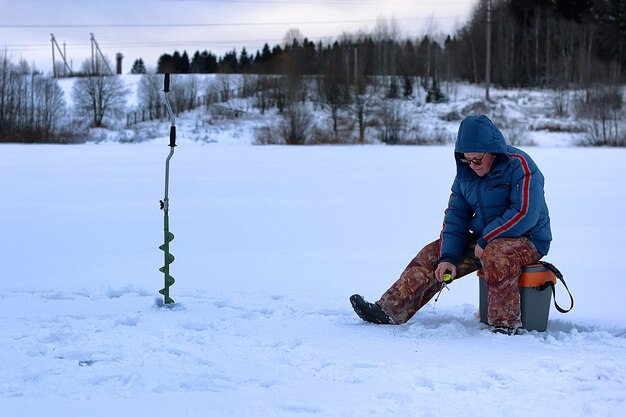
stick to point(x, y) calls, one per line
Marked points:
point(528, 117)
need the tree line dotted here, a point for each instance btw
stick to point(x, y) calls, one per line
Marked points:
point(550, 43)
point(534, 43)
point(31, 105)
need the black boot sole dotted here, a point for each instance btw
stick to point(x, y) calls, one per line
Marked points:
point(369, 312)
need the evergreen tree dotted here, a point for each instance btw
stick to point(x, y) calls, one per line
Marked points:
point(184, 65)
point(266, 54)
point(166, 64)
point(611, 31)
point(229, 64)
point(574, 10)
point(138, 67)
point(175, 64)
point(309, 57)
point(245, 62)
point(203, 63)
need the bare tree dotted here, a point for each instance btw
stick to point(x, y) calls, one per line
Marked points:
point(292, 35)
point(48, 108)
point(603, 106)
point(185, 90)
point(31, 105)
point(149, 93)
point(394, 123)
point(97, 97)
point(296, 124)
point(384, 34)
point(361, 103)
point(222, 87)
point(333, 92)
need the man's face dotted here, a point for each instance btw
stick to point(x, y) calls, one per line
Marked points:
point(479, 162)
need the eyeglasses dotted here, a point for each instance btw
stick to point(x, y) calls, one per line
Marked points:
point(475, 161)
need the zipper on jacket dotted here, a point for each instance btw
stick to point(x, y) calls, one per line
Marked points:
point(481, 188)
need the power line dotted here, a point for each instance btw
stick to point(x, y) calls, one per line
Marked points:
point(137, 41)
point(78, 45)
point(248, 43)
point(326, 2)
point(148, 25)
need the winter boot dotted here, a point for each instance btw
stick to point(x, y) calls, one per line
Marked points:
point(369, 312)
point(507, 330)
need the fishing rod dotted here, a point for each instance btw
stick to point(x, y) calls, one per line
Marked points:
point(167, 235)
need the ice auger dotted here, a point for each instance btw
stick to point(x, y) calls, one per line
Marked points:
point(167, 235)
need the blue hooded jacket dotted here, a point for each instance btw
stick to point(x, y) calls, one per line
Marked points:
point(507, 202)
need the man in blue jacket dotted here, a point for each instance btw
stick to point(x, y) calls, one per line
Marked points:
point(497, 220)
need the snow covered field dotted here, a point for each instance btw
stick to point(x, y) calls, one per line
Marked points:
point(270, 243)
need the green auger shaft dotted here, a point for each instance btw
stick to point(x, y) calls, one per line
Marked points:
point(167, 235)
point(169, 258)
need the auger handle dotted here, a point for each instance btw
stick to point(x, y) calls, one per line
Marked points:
point(166, 90)
point(166, 83)
point(172, 136)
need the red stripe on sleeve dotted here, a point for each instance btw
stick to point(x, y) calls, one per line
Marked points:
point(444, 225)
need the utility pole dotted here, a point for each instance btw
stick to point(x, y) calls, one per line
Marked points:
point(66, 68)
point(488, 65)
point(54, 69)
point(93, 57)
point(95, 62)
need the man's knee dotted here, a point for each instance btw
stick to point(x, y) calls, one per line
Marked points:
point(496, 262)
point(492, 253)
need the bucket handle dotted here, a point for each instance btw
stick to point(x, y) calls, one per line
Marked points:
point(559, 275)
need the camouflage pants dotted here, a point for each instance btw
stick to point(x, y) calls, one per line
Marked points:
point(502, 263)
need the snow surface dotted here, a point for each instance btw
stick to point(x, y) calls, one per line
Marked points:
point(270, 243)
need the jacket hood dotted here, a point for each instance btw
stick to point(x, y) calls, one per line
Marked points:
point(479, 134)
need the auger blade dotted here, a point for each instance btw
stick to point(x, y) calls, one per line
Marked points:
point(166, 297)
point(165, 269)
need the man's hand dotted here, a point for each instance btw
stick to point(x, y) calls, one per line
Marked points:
point(478, 252)
point(442, 268)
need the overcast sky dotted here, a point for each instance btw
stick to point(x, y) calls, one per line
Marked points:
point(148, 28)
